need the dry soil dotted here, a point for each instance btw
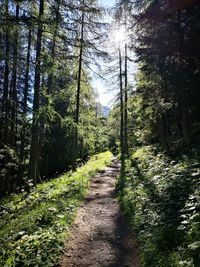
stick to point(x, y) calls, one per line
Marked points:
point(100, 237)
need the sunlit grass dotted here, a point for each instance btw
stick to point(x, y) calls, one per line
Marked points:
point(33, 232)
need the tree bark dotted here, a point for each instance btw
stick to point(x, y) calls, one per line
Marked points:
point(164, 132)
point(34, 156)
point(126, 90)
point(184, 119)
point(183, 90)
point(50, 76)
point(79, 86)
point(126, 104)
point(5, 105)
point(14, 101)
point(121, 106)
point(24, 105)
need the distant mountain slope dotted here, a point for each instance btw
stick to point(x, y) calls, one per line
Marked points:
point(103, 110)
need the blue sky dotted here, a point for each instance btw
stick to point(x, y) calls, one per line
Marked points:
point(107, 94)
point(105, 97)
point(108, 3)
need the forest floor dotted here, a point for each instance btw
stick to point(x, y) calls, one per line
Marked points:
point(100, 237)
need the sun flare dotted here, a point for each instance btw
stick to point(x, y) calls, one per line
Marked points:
point(118, 35)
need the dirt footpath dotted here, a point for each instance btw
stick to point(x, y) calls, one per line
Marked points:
point(100, 237)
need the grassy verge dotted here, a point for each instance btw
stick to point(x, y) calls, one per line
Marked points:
point(33, 227)
point(161, 199)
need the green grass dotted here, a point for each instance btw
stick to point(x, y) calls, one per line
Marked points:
point(32, 233)
point(161, 200)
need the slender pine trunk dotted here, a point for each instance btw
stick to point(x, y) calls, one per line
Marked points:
point(34, 156)
point(182, 97)
point(24, 106)
point(50, 80)
point(126, 104)
point(79, 87)
point(185, 119)
point(121, 106)
point(126, 88)
point(53, 46)
point(14, 100)
point(5, 104)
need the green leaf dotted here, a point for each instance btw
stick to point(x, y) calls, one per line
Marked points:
point(194, 245)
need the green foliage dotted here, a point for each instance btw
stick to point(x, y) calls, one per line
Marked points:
point(9, 163)
point(164, 105)
point(60, 130)
point(49, 106)
point(33, 226)
point(114, 130)
point(161, 201)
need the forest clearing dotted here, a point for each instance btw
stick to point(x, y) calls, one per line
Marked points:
point(100, 133)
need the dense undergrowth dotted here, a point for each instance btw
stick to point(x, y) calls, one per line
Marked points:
point(33, 226)
point(161, 199)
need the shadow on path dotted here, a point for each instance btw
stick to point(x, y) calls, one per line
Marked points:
point(100, 237)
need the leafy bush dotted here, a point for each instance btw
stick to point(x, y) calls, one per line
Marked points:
point(161, 199)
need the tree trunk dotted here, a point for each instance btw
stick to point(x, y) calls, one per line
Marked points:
point(184, 119)
point(34, 157)
point(14, 100)
point(5, 105)
point(24, 105)
point(182, 96)
point(126, 105)
point(79, 87)
point(126, 89)
point(50, 76)
point(50, 79)
point(121, 106)
point(164, 132)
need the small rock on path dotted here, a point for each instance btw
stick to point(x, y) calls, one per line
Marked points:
point(99, 237)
